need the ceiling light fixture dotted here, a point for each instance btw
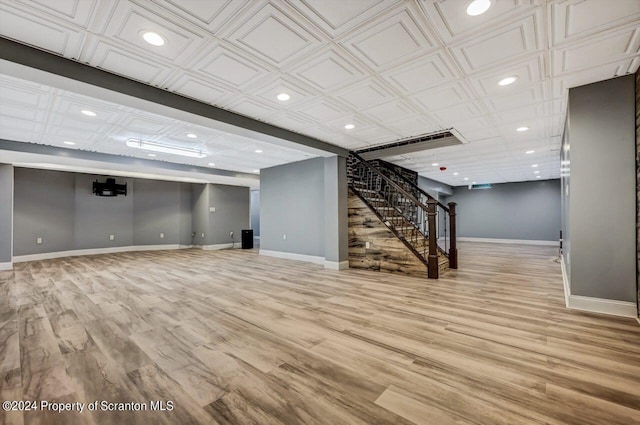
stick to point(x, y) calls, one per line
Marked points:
point(473, 182)
point(521, 129)
point(258, 151)
point(349, 126)
point(153, 38)
point(69, 143)
point(456, 173)
point(151, 154)
point(192, 136)
point(538, 177)
point(466, 178)
point(435, 164)
point(211, 164)
point(536, 172)
point(283, 97)
point(507, 81)
point(159, 147)
point(530, 152)
point(478, 7)
point(256, 171)
point(535, 165)
point(88, 113)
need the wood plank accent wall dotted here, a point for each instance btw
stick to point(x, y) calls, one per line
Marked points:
point(386, 252)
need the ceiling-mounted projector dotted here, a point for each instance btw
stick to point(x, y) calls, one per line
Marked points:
point(109, 188)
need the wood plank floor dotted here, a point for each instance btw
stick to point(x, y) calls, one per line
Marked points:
point(231, 337)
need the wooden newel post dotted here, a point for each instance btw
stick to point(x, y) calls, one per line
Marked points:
point(432, 260)
point(453, 247)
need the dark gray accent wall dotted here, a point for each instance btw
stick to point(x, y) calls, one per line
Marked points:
point(602, 192)
point(231, 213)
point(200, 213)
point(292, 203)
point(97, 217)
point(525, 211)
point(255, 212)
point(6, 212)
point(185, 221)
point(44, 207)
point(158, 208)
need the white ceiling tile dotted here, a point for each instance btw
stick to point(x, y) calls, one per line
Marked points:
point(461, 112)
point(77, 12)
point(193, 87)
point(413, 126)
point(364, 94)
point(598, 50)
point(535, 110)
point(252, 107)
point(529, 71)
point(298, 94)
point(206, 14)
point(322, 110)
point(221, 65)
point(292, 121)
point(28, 28)
point(563, 83)
point(528, 96)
point(421, 73)
point(374, 135)
point(391, 38)
point(358, 121)
point(451, 20)
point(327, 70)
point(335, 18)
point(271, 34)
point(506, 43)
point(390, 112)
point(442, 96)
point(573, 19)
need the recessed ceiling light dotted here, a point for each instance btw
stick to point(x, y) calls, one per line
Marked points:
point(466, 178)
point(530, 152)
point(535, 165)
point(211, 164)
point(522, 129)
point(536, 172)
point(88, 113)
point(456, 173)
point(153, 38)
point(69, 143)
point(478, 7)
point(435, 164)
point(151, 154)
point(538, 177)
point(256, 171)
point(258, 151)
point(507, 81)
point(192, 136)
point(283, 97)
point(349, 126)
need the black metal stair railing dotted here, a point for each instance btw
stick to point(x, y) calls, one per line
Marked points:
point(398, 208)
point(446, 214)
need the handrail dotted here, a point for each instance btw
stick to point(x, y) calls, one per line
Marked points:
point(390, 181)
point(415, 186)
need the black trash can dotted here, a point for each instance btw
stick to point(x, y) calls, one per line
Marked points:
point(247, 239)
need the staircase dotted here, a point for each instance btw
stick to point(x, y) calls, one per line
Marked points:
point(425, 226)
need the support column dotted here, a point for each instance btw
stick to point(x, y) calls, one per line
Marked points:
point(336, 214)
point(6, 217)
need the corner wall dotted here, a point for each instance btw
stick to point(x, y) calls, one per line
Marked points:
point(6, 216)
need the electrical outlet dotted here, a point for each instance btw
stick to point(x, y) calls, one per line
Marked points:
point(230, 234)
point(38, 240)
point(284, 236)
point(367, 244)
point(212, 209)
point(112, 237)
point(161, 235)
point(202, 235)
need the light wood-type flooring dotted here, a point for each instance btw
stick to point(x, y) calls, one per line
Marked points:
point(231, 337)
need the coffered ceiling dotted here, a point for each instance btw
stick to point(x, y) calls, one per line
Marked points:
point(393, 69)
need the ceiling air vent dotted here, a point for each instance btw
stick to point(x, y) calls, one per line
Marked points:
point(415, 144)
point(480, 186)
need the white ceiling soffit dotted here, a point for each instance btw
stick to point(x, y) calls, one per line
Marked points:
point(393, 69)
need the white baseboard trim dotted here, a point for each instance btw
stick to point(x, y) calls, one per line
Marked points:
point(94, 251)
point(336, 265)
point(292, 256)
point(513, 241)
point(599, 305)
point(565, 282)
point(221, 246)
point(6, 266)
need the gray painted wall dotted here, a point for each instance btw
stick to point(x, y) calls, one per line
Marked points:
point(336, 210)
point(255, 212)
point(434, 188)
point(292, 203)
point(526, 210)
point(200, 213)
point(565, 183)
point(6, 212)
point(44, 206)
point(60, 208)
point(231, 214)
point(602, 215)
